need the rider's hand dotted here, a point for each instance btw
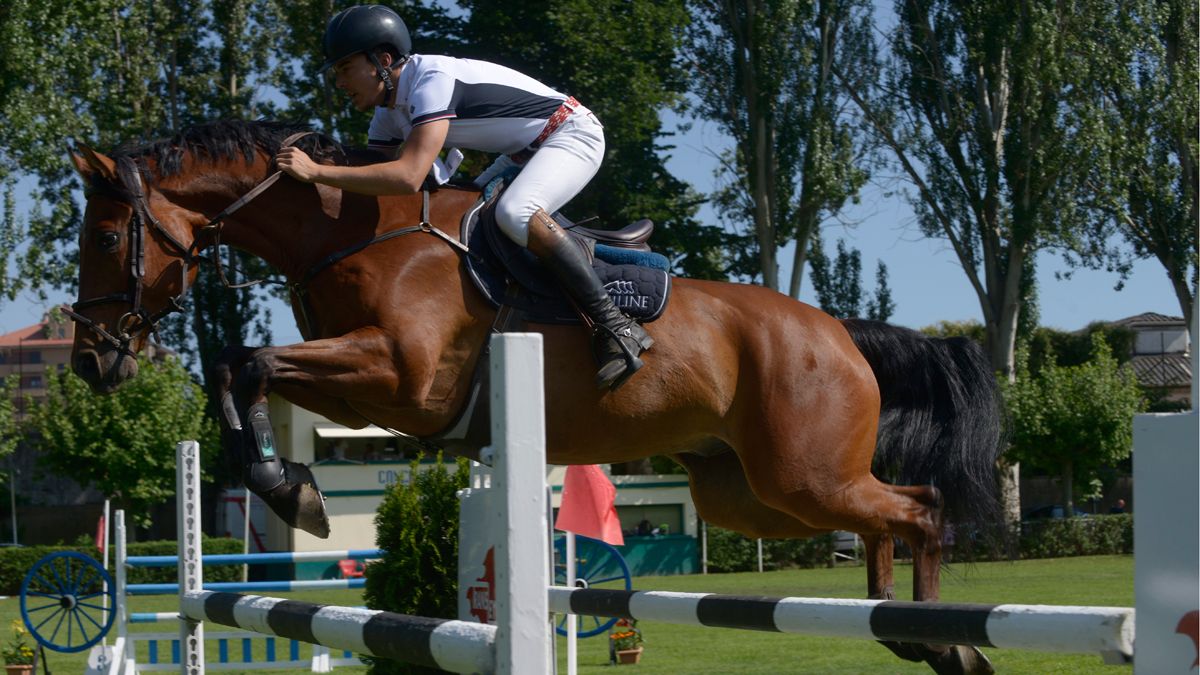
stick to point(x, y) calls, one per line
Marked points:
point(295, 163)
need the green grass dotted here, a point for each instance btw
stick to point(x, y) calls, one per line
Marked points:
point(1100, 580)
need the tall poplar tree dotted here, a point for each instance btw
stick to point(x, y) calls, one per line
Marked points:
point(985, 126)
point(764, 72)
point(1145, 102)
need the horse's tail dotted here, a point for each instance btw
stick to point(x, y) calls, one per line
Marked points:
point(941, 420)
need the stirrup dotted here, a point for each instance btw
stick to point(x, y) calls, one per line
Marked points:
point(608, 376)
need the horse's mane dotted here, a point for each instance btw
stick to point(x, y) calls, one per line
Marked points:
point(220, 141)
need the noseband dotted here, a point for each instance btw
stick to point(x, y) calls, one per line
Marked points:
point(138, 319)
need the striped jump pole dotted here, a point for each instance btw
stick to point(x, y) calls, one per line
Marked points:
point(520, 643)
point(1107, 631)
point(446, 644)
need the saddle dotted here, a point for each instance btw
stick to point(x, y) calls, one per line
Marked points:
point(508, 275)
point(511, 277)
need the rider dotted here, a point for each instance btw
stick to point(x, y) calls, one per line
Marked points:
point(423, 104)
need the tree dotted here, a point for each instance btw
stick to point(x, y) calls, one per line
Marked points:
point(839, 287)
point(763, 71)
point(984, 125)
point(10, 433)
point(1073, 420)
point(417, 527)
point(1143, 183)
point(123, 443)
point(619, 58)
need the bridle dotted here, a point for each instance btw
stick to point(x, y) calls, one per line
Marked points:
point(138, 319)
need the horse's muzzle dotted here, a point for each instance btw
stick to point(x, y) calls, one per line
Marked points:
point(105, 372)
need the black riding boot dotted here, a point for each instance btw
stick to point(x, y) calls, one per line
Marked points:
point(617, 340)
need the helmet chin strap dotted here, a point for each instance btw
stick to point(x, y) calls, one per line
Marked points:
point(384, 74)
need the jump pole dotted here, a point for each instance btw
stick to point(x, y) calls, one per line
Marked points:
point(520, 643)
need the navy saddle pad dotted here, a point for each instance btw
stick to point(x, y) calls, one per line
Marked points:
point(639, 290)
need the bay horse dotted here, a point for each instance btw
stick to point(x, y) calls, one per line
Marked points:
point(777, 411)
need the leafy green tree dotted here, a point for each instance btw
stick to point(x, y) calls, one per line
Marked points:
point(881, 306)
point(619, 58)
point(982, 118)
point(1146, 103)
point(970, 328)
point(839, 285)
point(1073, 420)
point(123, 444)
point(763, 71)
point(10, 432)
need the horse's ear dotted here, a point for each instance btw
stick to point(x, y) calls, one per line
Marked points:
point(90, 163)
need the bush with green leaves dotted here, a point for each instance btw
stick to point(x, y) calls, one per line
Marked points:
point(729, 551)
point(1067, 537)
point(16, 561)
point(417, 527)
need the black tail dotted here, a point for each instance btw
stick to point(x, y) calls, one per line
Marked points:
point(940, 422)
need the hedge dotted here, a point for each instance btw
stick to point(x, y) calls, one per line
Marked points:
point(16, 561)
point(1069, 537)
point(731, 552)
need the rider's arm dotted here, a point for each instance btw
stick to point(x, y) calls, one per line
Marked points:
point(403, 175)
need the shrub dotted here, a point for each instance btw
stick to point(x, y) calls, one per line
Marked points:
point(15, 562)
point(417, 527)
point(1067, 537)
point(731, 552)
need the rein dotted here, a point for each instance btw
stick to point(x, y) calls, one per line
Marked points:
point(300, 288)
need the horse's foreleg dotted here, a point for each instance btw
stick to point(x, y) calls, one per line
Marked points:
point(289, 488)
point(228, 362)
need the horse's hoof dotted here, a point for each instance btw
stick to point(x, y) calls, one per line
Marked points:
point(298, 500)
point(960, 660)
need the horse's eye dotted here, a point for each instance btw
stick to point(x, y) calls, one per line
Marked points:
point(108, 240)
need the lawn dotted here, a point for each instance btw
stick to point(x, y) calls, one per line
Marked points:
point(1101, 580)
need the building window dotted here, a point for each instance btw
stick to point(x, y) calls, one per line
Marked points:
point(3, 357)
point(33, 356)
point(31, 382)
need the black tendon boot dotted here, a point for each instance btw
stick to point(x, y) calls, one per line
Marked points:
point(289, 488)
point(617, 340)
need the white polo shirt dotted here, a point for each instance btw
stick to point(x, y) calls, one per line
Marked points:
point(491, 108)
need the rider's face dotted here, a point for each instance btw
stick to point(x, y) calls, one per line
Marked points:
point(357, 77)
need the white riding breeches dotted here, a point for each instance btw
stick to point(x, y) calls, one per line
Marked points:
point(558, 171)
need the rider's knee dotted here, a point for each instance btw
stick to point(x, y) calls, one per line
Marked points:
point(513, 218)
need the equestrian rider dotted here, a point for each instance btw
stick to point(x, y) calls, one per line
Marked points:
point(423, 104)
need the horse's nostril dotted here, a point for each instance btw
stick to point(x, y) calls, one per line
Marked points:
point(87, 366)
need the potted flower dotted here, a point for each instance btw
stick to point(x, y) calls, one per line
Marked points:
point(18, 654)
point(626, 641)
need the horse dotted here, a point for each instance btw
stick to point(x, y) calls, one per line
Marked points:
point(783, 417)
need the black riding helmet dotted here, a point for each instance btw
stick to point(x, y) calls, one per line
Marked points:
point(365, 28)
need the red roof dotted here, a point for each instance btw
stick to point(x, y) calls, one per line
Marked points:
point(31, 335)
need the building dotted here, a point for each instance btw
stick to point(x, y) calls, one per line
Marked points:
point(1161, 357)
point(354, 466)
point(30, 351)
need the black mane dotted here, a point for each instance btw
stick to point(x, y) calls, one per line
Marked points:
point(221, 141)
point(225, 140)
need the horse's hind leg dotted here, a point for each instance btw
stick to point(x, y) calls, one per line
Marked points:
point(723, 498)
point(822, 492)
